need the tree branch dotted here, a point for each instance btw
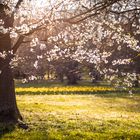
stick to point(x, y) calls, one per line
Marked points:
point(18, 43)
point(18, 4)
point(122, 12)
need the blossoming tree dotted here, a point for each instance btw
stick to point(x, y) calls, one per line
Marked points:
point(85, 19)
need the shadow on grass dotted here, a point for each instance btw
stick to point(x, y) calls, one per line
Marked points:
point(102, 93)
point(6, 128)
point(58, 84)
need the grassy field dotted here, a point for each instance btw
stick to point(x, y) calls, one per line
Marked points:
point(72, 116)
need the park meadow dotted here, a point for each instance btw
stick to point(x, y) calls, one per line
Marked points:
point(81, 112)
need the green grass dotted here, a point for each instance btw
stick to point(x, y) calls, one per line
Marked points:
point(111, 116)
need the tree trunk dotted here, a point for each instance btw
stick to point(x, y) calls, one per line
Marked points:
point(72, 78)
point(8, 106)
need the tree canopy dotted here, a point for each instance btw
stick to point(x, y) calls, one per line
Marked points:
point(94, 31)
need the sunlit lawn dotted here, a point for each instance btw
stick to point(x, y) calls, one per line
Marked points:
point(78, 116)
